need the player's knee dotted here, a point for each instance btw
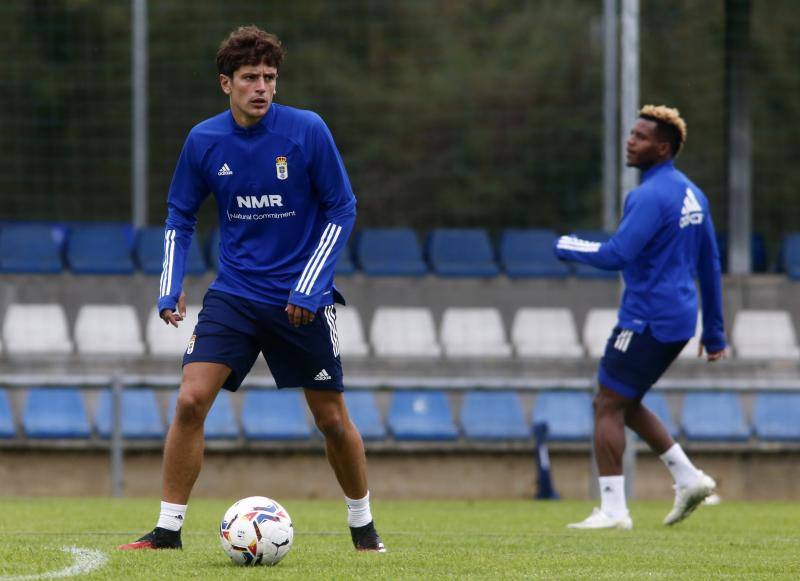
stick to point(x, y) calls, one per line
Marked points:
point(190, 407)
point(331, 425)
point(603, 404)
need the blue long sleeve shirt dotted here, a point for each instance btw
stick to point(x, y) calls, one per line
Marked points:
point(665, 240)
point(286, 207)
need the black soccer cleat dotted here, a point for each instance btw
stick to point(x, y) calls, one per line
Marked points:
point(366, 538)
point(158, 538)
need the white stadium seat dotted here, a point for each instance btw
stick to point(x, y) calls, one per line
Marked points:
point(545, 333)
point(404, 332)
point(167, 341)
point(108, 330)
point(474, 332)
point(36, 329)
point(597, 329)
point(350, 332)
point(764, 335)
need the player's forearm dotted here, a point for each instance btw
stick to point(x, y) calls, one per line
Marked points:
point(597, 254)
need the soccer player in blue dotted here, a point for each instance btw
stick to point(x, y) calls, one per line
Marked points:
point(665, 240)
point(286, 209)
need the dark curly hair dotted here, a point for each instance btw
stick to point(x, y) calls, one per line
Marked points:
point(248, 45)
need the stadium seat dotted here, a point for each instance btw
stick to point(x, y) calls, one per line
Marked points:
point(461, 252)
point(494, 415)
point(344, 264)
point(36, 329)
point(568, 414)
point(474, 333)
point(404, 332)
point(586, 270)
point(529, 253)
point(167, 341)
point(421, 415)
point(390, 252)
point(764, 335)
point(758, 254)
point(710, 416)
point(656, 402)
point(7, 429)
point(100, 249)
point(545, 333)
point(350, 332)
point(51, 412)
point(150, 252)
point(776, 417)
point(108, 330)
point(29, 248)
point(365, 414)
point(141, 417)
point(597, 329)
point(274, 415)
point(790, 255)
point(221, 421)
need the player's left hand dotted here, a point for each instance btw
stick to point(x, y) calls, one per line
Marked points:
point(712, 356)
point(298, 315)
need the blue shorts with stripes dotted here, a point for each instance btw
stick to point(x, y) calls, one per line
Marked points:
point(233, 330)
point(633, 362)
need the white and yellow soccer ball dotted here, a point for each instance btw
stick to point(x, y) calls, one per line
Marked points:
point(256, 531)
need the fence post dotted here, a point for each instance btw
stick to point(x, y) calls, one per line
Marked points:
point(116, 437)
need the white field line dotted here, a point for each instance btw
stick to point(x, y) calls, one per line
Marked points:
point(86, 560)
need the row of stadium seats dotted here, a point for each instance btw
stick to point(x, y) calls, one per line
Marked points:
point(119, 249)
point(42, 329)
point(412, 415)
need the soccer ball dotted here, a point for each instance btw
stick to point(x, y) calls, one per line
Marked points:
point(256, 531)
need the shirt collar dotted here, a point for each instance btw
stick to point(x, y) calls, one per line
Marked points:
point(669, 164)
point(259, 127)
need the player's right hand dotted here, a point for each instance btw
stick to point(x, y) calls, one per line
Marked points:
point(171, 317)
point(715, 356)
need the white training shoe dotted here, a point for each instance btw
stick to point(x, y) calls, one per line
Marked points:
point(600, 520)
point(688, 498)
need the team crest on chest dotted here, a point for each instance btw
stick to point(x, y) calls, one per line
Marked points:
point(281, 168)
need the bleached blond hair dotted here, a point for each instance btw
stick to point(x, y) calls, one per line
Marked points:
point(669, 119)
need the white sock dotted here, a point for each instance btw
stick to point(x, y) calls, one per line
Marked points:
point(172, 515)
point(612, 496)
point(682, 469)
point(358, 512)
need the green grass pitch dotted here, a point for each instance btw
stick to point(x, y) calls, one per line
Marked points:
point(425, 540)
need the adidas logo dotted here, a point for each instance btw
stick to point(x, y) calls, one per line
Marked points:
point(322, 376)
point(692, 212)
point(225, 170)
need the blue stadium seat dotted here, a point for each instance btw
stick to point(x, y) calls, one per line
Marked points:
point(586, 270)
point(776, 417)
point(221, 421)
point(51, 412)
point(7, 429)
point(529, 253)
point(710, 416)
point(461, 252)
point(274, 415)
point(29, 248)
point(150, 252)
point(568, 414)
point(657, 403)
point(390, 252)
point(494, 415)
point(141, 418)
point(365, 414)
point(344, 264)
point(758, 252)
point(212, 248)
point(100, 249)
point(790, 255)
point(421, 415)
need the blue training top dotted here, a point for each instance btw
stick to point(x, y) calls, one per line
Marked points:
point(665, 239)
point(286, 207)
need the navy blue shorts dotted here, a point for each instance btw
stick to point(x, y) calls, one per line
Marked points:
point(633, 362)
point(233, 330)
